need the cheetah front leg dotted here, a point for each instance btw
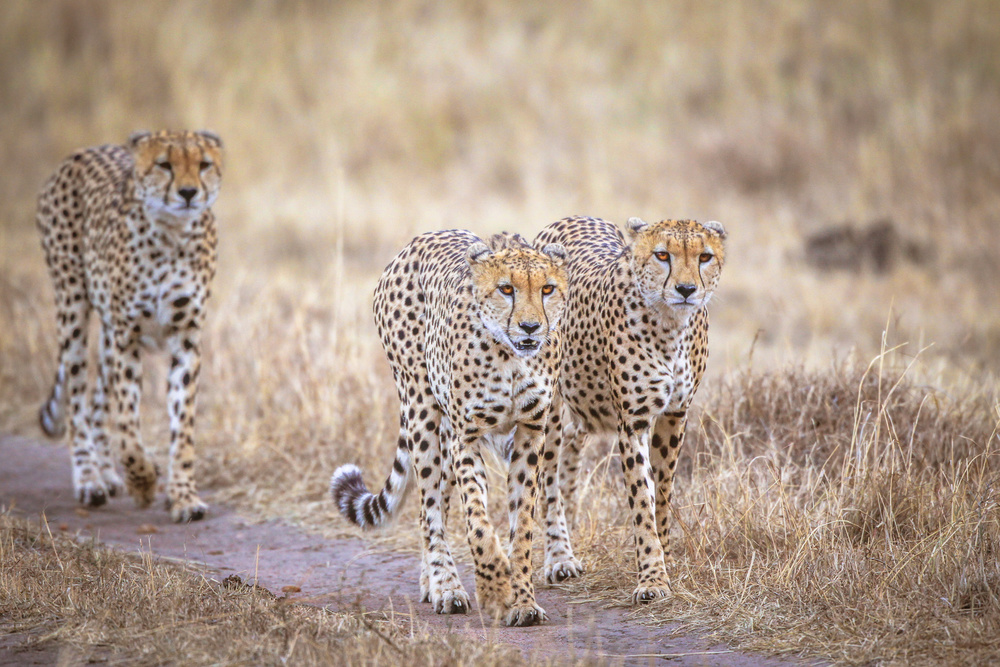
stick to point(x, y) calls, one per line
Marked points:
point(668, 437)
point(522, 487)
point(493, 592)
point(633, 446)
point(126, 393)
point(182, 385)
point(560, 562)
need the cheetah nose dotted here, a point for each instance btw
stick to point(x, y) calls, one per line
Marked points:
point(685, 289)
point(529, 327)
point(188, 193)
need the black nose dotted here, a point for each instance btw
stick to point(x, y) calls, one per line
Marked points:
point(188, 193)
point(685, 289)
point(529, 327)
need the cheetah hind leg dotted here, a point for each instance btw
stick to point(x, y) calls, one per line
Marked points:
point(558, 473)
point(99, 437)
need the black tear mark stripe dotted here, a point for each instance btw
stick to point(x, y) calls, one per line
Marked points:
point(170, 183)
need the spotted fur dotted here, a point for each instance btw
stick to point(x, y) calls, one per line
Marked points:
point(128, 232)
point(470, 329)
point(635, 344)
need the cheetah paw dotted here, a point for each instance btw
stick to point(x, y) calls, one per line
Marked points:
point(112, 481)
point(142, 486)
point(142, 494)
point(193, 509)
point(91, 494)
point(561, 571)
point(651, 592)
point(454, 601)
point(525, 615)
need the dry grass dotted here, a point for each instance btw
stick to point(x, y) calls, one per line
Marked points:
point(370, 123)
point(848, 514)
point(84, 602)
point(824, 513)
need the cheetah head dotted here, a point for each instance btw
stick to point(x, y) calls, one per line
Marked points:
point(677, 262)
point(520, 291)
point(177, 174)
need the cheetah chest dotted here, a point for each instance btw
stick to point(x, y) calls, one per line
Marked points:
point(493, 398)
point(644, 377)
point(168, 299)
point(506, 403)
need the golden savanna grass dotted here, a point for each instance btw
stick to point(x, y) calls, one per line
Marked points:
point(828, 506)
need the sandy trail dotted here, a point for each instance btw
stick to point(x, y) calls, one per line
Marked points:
point(343, 574)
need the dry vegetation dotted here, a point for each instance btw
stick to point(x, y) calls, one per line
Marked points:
point(89, 604)
point(829, 508)
point(845, 513)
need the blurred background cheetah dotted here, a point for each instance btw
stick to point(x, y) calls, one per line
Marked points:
point(128, 232)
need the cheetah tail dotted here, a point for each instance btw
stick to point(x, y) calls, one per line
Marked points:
point(52, 415)
point(364, 508)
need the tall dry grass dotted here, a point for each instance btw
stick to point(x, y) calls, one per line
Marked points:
point(850, 514)
point(822, 513)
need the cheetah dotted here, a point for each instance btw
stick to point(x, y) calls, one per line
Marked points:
point(128, 232)
point(635, 344)
point(470, 329)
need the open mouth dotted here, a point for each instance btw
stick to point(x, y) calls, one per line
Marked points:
point(526, 344)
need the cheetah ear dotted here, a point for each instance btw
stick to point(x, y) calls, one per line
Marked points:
point(634, 226)
point(211, 136)
point(138, 137)
point(556, 252)
point(715, 226)
point(477, 252)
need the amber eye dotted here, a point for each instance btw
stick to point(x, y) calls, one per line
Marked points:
point(205, 164)
point(506, 289)
point(705, 257)
point(164, 164)
point(548, 289)
point(662, 255)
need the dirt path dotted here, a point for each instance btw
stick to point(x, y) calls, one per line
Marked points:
point(35, 478)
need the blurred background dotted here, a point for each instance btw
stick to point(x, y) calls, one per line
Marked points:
point(852, 149)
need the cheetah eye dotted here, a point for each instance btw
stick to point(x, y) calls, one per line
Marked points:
point(662, 255)
point(164, 164)
point(705, 257)
point(548, 289)
point(506, 289)
point(205, 164)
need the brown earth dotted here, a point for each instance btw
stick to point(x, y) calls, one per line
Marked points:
point(344, 574)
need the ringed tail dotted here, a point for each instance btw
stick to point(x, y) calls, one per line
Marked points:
point(364, 508)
